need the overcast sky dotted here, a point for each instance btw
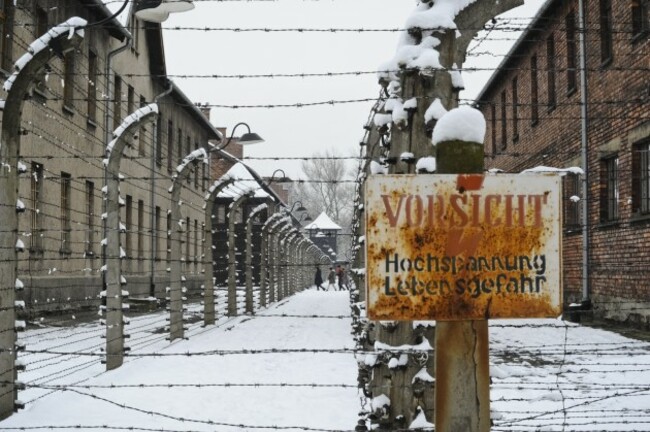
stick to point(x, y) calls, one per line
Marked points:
point(298, 132)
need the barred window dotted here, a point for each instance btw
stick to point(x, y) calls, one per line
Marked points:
point(609, 187)
point(65, 213)
point(641, 178)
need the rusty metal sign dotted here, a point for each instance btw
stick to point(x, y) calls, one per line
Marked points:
point(463, 247)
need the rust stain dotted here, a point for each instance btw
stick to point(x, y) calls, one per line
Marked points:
point(433, 271)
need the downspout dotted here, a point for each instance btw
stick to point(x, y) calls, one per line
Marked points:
point(586, 302)
point(108, 132)
point(154, 235)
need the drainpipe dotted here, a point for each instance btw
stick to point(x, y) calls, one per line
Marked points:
point(154, 234)
point(586, 302)
point(108, 133)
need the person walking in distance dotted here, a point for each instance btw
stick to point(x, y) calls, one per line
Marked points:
point(331, 280)
point(343, 279)
point(318, 280)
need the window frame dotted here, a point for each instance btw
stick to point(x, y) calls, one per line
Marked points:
point(609, 189)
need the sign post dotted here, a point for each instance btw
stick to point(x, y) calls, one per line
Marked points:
point(460, 249)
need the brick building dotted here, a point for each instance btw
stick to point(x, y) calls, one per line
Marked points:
point(532, 105)
point(74, 108)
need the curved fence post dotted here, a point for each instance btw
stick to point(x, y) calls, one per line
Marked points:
point(250, 306)
point(208, 248)
point(232, 255)
point(64, 37)
point(176, 329)
point(114, 253)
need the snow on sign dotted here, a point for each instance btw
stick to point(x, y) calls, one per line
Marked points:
point(463, 247)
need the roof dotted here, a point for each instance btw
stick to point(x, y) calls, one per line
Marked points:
point(322, 222)
point(244, 183)
point(521, 40)
point(195, 112)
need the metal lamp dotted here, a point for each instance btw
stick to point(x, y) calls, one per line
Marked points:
point(159, 10)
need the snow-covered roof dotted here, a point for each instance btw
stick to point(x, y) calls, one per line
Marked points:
point(244, 183)
point(323, 222)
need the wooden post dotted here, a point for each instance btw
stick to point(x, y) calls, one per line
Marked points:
point(461, 347)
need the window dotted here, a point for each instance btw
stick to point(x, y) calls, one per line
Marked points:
point(493, 112)
point(41, 26)
point(130, 99)
point(197, 168)
point(128, 223)
point(37, 201)
point(90, 218)
point(639, 11)
point(609, 188)
point(550, 72)
point(188, 149)
point(142, 133)
point(221, 213)
point(504, 124)
point(181, 154)
point(92, 87)
point(641, 178)
point(68, 79)
point(204, 177)
point(117, 102)
point(572, 204)
point(65, 213)
point(170, 145)
point(196, 242)
point(606, 31)
point(158, 142)
point(534, 102)
point(169, 235)
point(188, 232)
point(140, 229)
point(5, 29)
point(571, 50)
point(515, 113)
point(157, 234)
point(134, 23)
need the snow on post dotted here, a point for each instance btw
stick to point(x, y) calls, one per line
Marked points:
point(460, 124)
point(128, 121)
point(71, 26)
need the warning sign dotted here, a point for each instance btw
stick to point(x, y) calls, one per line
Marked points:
point(463, 247)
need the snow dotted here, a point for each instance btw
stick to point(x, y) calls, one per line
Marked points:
point(435, 111)
point(546, 169)
point(128, 121)
point(377, 168)
point(70, 26)
point(322, 222)
point(247, 373)
point(426, 164)
point(243, 183)
point(463, 123)
point(198, 154)
point(439, 16)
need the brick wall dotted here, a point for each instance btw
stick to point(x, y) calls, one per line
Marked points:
point(618, 97)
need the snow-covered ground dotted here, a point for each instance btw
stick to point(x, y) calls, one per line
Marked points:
point(248, 373)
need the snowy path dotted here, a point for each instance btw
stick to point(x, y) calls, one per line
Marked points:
point(206, 391)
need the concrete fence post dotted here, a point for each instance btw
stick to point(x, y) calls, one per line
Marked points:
point(208, 249)
point(176, 289)
point(17, 87)
point(232, 254)
point(115, 282)
point(250, 307)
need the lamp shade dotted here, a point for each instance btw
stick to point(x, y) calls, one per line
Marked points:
point(250, 138)
point(159, 10)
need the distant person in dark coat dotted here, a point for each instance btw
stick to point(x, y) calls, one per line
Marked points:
point(331, 280)
point(318, 280)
